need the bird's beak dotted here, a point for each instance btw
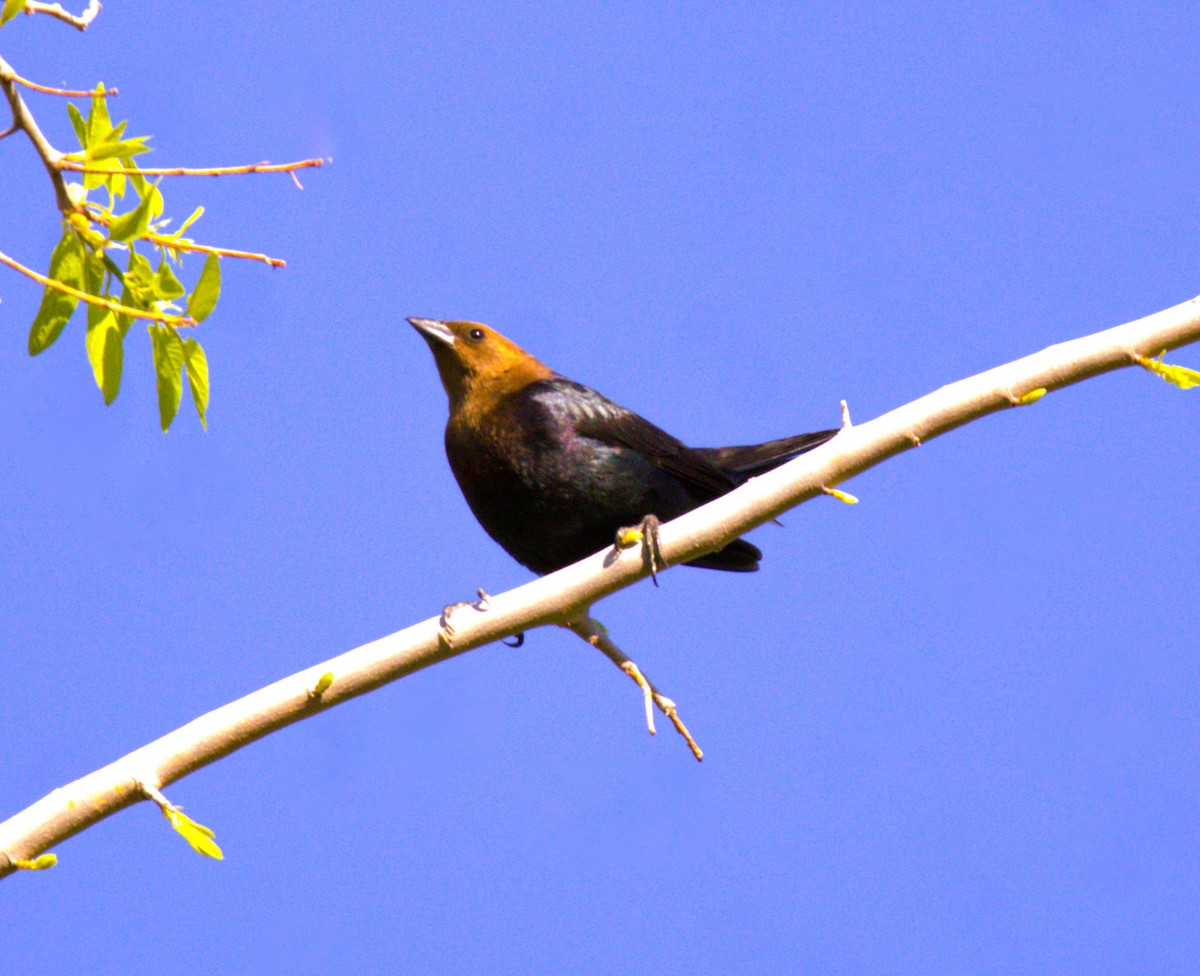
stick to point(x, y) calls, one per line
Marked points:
point(433, 329)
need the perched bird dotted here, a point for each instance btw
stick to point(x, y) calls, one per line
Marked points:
point(553, 470)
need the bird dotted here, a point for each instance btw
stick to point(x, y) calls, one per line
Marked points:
point(554, 470)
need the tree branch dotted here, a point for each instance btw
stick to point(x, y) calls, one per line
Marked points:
point(226, 252)
point(67, 92)
point(179, 321)
point(23, 119)
point(56, 10)
point(75, 167)
point(564, 597)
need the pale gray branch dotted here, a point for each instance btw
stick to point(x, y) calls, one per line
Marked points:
point(565, 597)
point(23, 119)
point(56, 10)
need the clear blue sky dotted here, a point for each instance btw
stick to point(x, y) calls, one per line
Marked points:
point(953, 729)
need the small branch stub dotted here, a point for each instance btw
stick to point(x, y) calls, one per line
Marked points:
point(58, 12)
point(635, 673)
point(200, 838)
point(596, 634)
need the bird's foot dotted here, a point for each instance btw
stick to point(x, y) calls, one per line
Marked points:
point(647, 534)
point(482, 605)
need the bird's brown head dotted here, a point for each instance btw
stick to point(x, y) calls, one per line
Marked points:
point(474, 360)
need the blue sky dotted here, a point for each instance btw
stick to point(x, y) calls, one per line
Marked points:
point(953, 729)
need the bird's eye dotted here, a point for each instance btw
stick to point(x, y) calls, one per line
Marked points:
point(475, 335)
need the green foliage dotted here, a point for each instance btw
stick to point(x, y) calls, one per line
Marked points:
point(208, 289)
point(199, 836)
point(39, 863)
point(83, 260)
point(10, 9)
point(841, 496)
point(196, 364)
point(168, 365)
point(66, 266)
point(1179, 376)
point(172, 355)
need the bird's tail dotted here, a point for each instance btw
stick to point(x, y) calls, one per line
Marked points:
point(753, 459)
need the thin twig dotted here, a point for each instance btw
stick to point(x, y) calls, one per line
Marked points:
point(224, 252)
point(154, 794)
point(592, 632)
point(166, 240)
point(74, 167)
point(83, 296)
point(69, 92)
point(56, 10)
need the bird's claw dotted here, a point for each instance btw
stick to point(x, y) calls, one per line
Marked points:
point(483, 604)
point(647, 534)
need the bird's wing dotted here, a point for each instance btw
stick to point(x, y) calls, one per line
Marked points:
point(593, 415)
point(752, 459)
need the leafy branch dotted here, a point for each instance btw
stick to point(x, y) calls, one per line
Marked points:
point(565, 598)
point(105, 218)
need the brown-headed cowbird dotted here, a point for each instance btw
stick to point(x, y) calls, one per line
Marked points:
point(553, 469)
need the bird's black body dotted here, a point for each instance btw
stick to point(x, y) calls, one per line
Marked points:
point(552, 469)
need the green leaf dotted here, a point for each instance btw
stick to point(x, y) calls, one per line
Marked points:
point(1179, 376)
point(11, 9)
point(140, 183)
point(39, 863)
point(130, 301)
point(112, 268)
point(168, 365)
point(197, 374)
point(111, 168)
point(106, 353)
point(138, 288)
point(66, 265)
point(196, 215)
point(166, 285)
point(323, 684)
point(140, 277)
point(1031, 397)
point(98, 122)
point(841, 496)
point(104, 333)
point(203, 298)
point(94, 271)
point(122, 147)
point(78, 124)
point(136, 222)
point(199, 836)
